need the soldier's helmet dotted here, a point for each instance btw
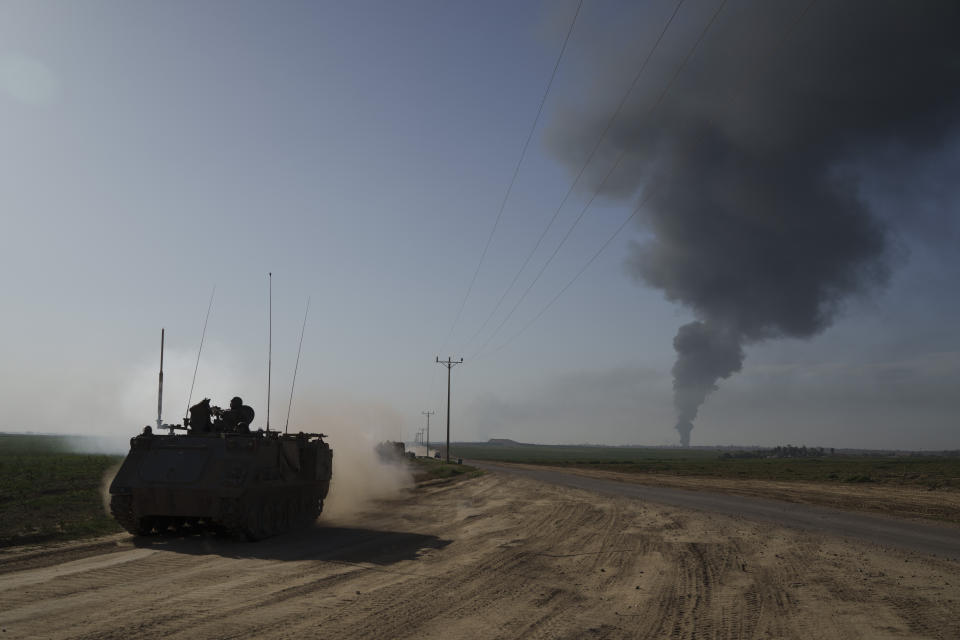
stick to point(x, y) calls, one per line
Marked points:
point(246, 415)
point(236, 403)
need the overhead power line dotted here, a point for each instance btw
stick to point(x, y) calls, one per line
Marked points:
point(513, 179)
point(613, 168)
point(646, 198)
point(576, 180)
point(579, 273)
point(516, 171)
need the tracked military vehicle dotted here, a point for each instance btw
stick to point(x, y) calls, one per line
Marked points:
point(218, 475)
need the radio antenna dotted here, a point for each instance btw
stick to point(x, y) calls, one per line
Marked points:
point(160, 387)
point(199, 351)
point(269, 346)
point(297, 365)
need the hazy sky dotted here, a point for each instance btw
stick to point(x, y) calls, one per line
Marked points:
point(360, 151)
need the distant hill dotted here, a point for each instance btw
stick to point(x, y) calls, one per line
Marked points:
point(504, 442)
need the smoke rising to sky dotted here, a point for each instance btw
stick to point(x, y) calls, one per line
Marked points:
point(704, 355)
point(801, 176)
point(754, 161)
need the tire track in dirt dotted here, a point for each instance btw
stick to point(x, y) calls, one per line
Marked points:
point(922, 536)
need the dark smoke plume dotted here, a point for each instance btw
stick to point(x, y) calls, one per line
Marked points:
point(756, 219)
point(704, 355)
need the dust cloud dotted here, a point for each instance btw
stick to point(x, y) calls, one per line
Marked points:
point(108, 476)
point(354, 429)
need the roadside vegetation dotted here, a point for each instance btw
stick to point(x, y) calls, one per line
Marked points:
point(48, 493)
point(427, 469)
point(779, 464)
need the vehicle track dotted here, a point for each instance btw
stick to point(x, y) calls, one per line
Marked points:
point(494, 557)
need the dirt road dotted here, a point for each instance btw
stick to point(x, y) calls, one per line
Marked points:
point(924, 536)
point(499, 556)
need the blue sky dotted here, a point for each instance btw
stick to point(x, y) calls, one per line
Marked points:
point(360, 151)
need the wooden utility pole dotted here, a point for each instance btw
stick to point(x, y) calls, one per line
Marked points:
point(428, 414)
point(449, 363)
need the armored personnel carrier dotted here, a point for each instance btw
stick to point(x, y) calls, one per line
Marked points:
point(218, 475)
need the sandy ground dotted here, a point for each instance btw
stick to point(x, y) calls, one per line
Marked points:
point(903, 501)
point(493, 557)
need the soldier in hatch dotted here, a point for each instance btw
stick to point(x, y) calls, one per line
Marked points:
point(238, 417)
point(200, 416)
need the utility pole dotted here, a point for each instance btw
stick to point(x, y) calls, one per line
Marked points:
point(449, 363)
point(428, 414)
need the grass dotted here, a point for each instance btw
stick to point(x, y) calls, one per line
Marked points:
point(931, 472)
point(47, 493)
point(431, 469)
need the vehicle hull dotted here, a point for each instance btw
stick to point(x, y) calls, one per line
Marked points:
point(250, 484)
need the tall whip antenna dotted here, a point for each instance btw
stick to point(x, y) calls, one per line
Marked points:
point(199, 351)
point(160, 387)
point(297, 365)
point(269, 348)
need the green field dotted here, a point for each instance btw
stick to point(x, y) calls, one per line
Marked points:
point(932, 472)
point(48, 493)
point(430, 469)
